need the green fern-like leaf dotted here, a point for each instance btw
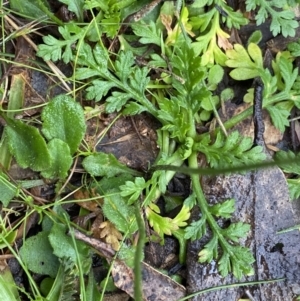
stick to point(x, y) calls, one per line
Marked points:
point(54, 49)
point(129, 82)
point(149, 33)
point(120, 214)
point(196, 229)
point(64, 286)
point(282, 18)
point(235, 150)
point(165, 225)
point(161, 225)
point(134, 189)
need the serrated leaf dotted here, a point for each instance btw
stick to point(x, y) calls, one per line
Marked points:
point(236, 231)
point(288, 27)
point(133, 108)
point(123, 65)
point(294, 188)
point(116, 102)
point(244, 144)
point(196, 229)
point(287, 73)
point(120, 214)
point(294, 48)
point(84, 73)
point(238, 57)
point(209, 252)
point(53, 48)
point(279, 115)
point(190, 201)
point(27, 145)
point(282, 18)
point(86, 57)
point(233, 150)
point(224, 209)
point(247, 63)
point(231, 142)
point(102, 164)
point(139, 80)
point(224, 265)
point(241, 265)
point(63, 118)
point(60, 160)
point(98, 89)
point(149, 33)
point(161, 225)
point(101, 57)
point(289, 165)
point(133, 189)
point(206, 255)
point(111, 24)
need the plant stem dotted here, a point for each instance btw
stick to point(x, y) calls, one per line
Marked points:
point(230, 123)
point(138, 285)
point(204, 206)
point(198, 190)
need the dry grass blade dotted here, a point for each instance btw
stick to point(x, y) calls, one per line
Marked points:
point(51, 65)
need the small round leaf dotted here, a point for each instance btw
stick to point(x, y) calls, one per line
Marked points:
point(63, 118)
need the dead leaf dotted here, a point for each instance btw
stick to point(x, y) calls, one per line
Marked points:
point(116, 297)
point(95, 227)
point(297, 129)
point(224, 43)
point(246, 128)
point(166, 20)
point(156, 286)
point(110, 234)
point(83, 194)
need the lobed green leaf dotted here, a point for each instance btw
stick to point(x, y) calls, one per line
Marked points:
point(120, 214)
point(236, 231)
point(224, 209)
point(133, 189)
point(149, 33)
point(116, 102)
point(196, 229)
point(123, 65)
